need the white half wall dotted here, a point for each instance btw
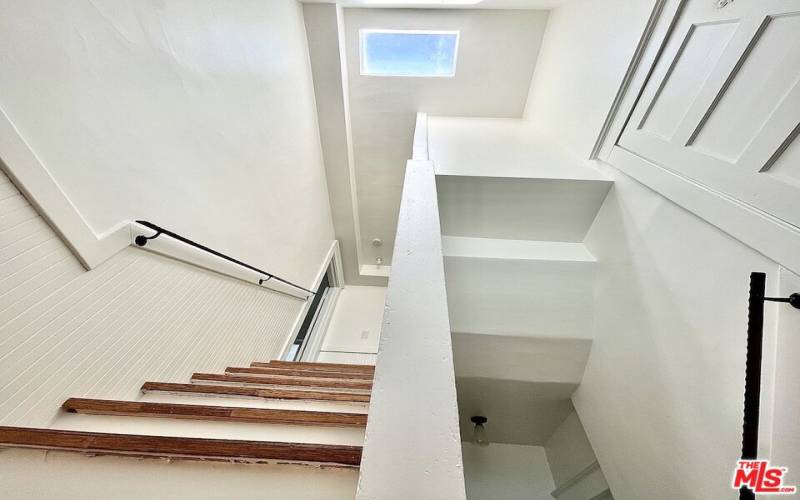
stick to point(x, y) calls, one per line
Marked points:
point(412, 447)
point(198, 118)
point(506, 472)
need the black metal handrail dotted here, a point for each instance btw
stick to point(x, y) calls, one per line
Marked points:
point(142, 240)
point(752, 373)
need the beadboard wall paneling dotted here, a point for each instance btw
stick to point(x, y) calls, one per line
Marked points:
point(139, 316)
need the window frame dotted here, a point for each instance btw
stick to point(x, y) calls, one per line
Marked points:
point(363, 38)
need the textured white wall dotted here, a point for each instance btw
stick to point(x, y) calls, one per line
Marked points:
point(506, 472)
point(197, 116)
point(669, 348)
point(68, 332)
point(586, 49)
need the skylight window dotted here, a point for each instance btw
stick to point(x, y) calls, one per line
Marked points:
point(409, 53)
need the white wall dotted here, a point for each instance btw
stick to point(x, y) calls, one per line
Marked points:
point(67, 332)
point(497, 55)
point(586, 49)
point(669, 347)
point(325, 32)
point(355, 325)
point(786, 431)
point(506, 472)
point(195, 116)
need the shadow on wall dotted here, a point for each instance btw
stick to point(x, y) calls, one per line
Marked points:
point(665, 374)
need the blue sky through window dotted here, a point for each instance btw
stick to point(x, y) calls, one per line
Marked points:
point(408, 53)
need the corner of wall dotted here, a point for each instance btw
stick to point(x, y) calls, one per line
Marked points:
point(32, 177)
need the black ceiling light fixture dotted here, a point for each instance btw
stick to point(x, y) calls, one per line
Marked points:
point(479, 435)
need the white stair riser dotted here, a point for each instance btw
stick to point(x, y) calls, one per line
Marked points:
point(353, 436)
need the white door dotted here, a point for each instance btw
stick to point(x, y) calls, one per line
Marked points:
point(722, 104)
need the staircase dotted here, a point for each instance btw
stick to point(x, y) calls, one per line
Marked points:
point(276, 412)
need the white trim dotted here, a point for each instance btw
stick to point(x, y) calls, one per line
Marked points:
point(569, 483)
point(336, 277)
point(317, 334)
point(30, 175)
point(362, 39)
point(330, 259)
point(644, 54)
point(381, 271)
point(761, 231)
point(349, 349)
point(348, 129)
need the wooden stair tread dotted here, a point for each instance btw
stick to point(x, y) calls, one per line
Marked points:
point(255, 392)
point(281, 380)
point(261, 370)
point(303, 365)
point(179, 447)
point(216, 413)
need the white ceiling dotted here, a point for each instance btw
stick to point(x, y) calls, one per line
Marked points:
point(457, 4)
point(496, 59)
point(518, 412)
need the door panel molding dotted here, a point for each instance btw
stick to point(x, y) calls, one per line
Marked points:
point(739, 175)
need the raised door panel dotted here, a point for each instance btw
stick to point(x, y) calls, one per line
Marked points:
point(722, 103)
